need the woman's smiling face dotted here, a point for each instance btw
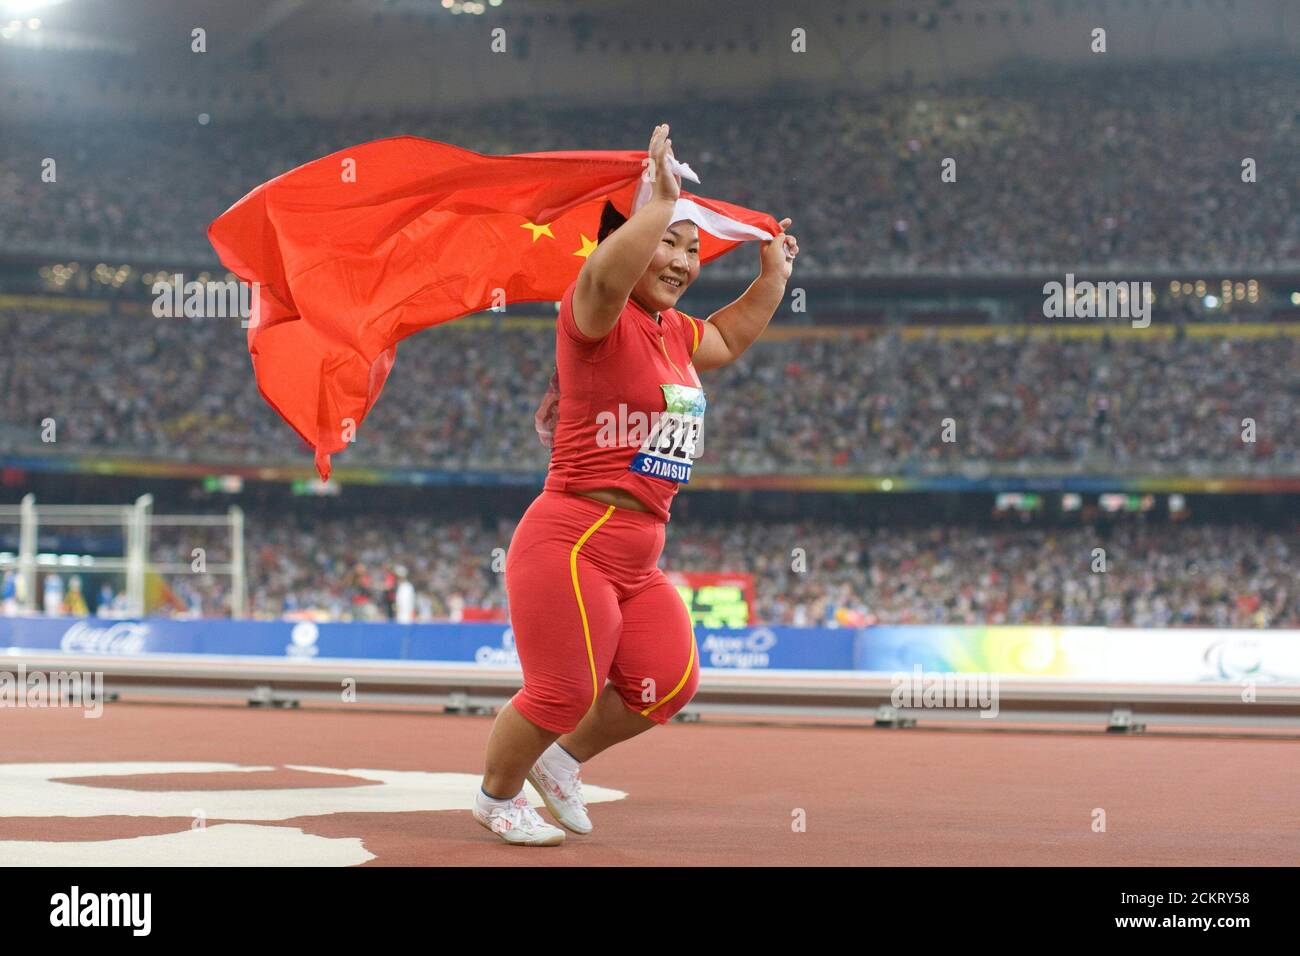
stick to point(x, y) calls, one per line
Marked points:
point(675, 265)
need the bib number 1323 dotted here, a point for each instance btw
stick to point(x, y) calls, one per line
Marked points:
point(676, 439)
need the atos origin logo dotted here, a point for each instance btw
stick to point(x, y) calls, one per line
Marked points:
point(503, 656)
point(742, 650)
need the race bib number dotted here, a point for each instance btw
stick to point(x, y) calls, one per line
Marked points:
point(676, 439)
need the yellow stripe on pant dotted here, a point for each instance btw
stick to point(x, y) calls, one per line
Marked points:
point(582, 610)
point(690, 663)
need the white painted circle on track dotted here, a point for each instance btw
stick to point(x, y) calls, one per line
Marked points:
point(34, 790)
point(222, 844)
point(31, 790)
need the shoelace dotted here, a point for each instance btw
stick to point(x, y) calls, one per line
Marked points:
point(577, 789)
point(519, 816)
point(570, 785)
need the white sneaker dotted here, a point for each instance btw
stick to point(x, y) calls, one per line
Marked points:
point(557, 777)
point(516, 822)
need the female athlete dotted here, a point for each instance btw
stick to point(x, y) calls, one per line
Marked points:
point(605, 642)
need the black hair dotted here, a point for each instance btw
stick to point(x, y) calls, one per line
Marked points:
point(610, 219)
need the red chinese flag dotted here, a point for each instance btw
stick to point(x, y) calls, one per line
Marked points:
point(357, 250)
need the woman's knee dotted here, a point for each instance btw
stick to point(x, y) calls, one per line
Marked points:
point(664, 691)
point(555, 711)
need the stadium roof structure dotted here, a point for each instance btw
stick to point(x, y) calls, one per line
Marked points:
point(341, 57)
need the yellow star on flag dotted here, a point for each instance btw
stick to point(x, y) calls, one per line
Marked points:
point(588, 247)
point(538, 230)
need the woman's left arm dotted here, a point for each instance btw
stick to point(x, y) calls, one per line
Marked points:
point(731, 330)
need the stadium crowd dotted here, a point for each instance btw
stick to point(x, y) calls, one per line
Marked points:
point(855, 402)
point(1140, 169)
point(1157, 574)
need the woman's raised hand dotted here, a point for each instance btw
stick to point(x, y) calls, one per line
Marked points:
point(657, 167)
point(776, 255)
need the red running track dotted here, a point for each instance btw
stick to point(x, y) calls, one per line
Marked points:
point(696, 794)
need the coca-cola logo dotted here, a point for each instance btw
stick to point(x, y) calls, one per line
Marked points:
point(123, 637)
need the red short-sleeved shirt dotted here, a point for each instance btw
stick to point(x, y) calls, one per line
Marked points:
point(631, 405)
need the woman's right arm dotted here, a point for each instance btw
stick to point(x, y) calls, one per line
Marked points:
point(610, 273)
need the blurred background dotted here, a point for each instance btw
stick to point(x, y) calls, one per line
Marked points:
point(1175, 448)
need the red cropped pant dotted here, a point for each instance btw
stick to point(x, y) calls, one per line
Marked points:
point(588, 603)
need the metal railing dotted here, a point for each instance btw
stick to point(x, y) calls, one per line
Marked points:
point(460, 688)
point(136, 520)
